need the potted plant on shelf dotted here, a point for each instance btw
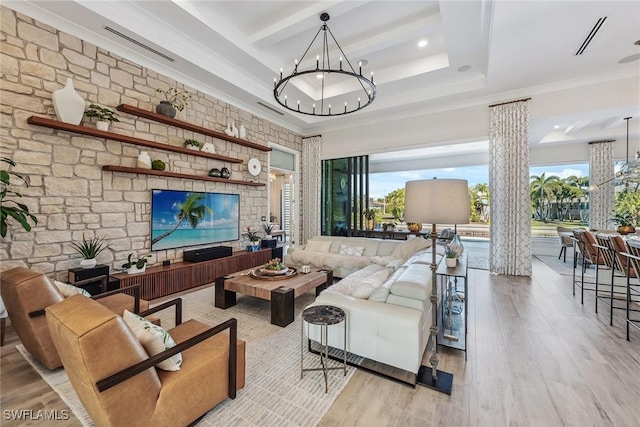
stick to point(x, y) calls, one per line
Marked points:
point(137, 266)
point(192, 144)
point(254, 240)
point(268, 228)
point(11, 208)
point(89, 249)
point(104, 116)
point(370, 216)
point(174, 100)
point(452, 252)
point(625, 221)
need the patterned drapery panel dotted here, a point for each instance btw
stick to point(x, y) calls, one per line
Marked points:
point(602, 201)
point(510, 247)
point(311, 187)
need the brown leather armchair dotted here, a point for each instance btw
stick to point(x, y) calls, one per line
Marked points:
point(118, 383)
point(27, 293)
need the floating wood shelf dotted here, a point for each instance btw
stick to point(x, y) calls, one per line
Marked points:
point(55, 124)
point(125, 169)
point(126, 108)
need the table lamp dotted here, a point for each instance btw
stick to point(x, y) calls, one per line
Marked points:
point(436, 201)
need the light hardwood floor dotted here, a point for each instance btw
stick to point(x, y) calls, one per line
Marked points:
point(536, 357)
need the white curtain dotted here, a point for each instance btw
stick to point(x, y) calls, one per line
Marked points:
point(311, 187)
point(602, 201)
point(510, 247)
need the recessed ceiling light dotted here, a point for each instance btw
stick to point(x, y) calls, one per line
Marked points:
point(556, 127)
point(464, 68)
point(422, 43)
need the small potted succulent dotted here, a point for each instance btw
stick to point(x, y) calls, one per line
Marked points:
point(89, 249)
point(137, 266)
point(274, 267)
point(103, 115)
point(192, 144)
point(174, 100)
point(254, 240)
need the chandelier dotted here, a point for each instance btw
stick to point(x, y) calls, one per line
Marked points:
point(325, 81)
point(629, 171)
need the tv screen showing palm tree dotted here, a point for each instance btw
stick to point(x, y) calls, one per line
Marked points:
point(192, 218)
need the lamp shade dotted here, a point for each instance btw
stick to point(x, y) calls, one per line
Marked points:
point(437, 201)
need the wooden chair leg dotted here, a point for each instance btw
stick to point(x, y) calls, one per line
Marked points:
point(3, 325)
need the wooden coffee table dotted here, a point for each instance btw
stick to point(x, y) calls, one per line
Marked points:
point(281, 293)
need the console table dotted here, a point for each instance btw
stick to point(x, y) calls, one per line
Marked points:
point(158, 281)
point(452, 330)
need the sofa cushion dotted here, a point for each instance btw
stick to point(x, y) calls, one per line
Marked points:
point(154, 339)
point(414, 282)
point(381, 293)
point(369, 284)
point(387, 246)
point(350, 250)
point(68, 290)
point(410, 247)
point(318, 245)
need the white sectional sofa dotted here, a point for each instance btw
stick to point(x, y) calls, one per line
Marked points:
point(346, 255)
point(388, 311)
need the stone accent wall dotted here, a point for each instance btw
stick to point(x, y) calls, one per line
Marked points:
point(68, 191)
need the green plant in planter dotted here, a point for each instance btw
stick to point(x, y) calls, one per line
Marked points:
point(11, 208)
point(102, 114)
point(175, 97)
point(158, 165)
point(268, 228)
point(623, 218)
point(139, 263)
point(89, 249)
point(251, 235)
point(453, 250)
point(370, 214)
point(192, 142)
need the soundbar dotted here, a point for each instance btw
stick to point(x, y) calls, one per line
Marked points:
point(207, 254)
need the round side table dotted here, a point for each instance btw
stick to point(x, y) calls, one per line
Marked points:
point(324, 316)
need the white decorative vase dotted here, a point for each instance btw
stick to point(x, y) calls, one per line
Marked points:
point(102, 125)
point(268, 236)
point(144, 160)
point(135, 270)
point(451, 262)
point(68, 104)
point(88, 263)
point(242, 132)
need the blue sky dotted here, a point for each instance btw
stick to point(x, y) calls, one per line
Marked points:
point(381, 184)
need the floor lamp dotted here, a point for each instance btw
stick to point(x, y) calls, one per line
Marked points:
point(436, 201)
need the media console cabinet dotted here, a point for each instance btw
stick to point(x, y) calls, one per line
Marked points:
point(159, 281)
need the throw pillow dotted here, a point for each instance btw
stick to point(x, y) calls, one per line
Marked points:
point(68, 290)
point(405, 249)
point(318, 245)
point(368, 285)
point(154, 339)
point(350, 250)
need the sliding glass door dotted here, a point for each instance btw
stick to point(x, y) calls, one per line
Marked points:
point(345, 194)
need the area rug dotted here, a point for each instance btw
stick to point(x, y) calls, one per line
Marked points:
point(274, 393)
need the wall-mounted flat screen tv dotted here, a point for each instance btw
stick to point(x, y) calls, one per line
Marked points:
point(192, 218)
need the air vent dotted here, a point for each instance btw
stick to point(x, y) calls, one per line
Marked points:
point(591, 35)
point(270, 108)
point(136, 42)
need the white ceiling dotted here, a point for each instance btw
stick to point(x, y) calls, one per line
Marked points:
point(477, 51)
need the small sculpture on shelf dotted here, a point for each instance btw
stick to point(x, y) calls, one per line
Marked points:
point(231, 129)
point(225, 173)
point(208, 148)
point(214, 173)
point(144, 160)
